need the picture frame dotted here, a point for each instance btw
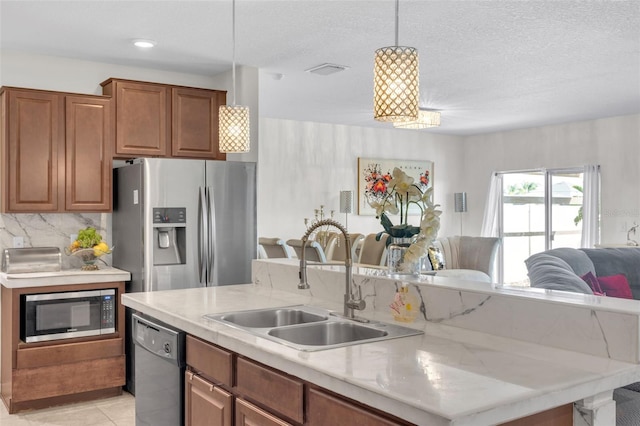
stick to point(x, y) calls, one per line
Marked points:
point(372, 173)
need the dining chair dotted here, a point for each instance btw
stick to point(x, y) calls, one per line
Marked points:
point(336, 249)
point(324, 238)
point(313, 251)
point(274, 248)
point(374, 252)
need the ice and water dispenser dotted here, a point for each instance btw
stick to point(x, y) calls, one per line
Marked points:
point(169, 235)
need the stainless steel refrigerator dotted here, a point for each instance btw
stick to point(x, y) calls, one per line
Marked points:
point(181, 224)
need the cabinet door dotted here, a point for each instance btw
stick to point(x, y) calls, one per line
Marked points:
point(142, 114)
point(34, 155)
point(206, 404)
point(89, 143)
point(194, 123)
point(249, 415)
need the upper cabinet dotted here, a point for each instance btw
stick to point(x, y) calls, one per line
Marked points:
point(162, 120)
point(88, 153)
point(55, 151)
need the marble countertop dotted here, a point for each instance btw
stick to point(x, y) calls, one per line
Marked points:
point(448, 375)
point(70, 276)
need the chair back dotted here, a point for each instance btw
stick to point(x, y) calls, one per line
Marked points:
point(374, 252)
point(478, 253)
point(462, 252)
point(313, 250)
point(337, 247)
point(274, 248)
point(324, 238)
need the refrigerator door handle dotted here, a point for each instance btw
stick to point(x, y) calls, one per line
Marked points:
point(202, 234)
point(212, 237)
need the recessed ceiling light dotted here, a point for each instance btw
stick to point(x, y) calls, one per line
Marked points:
point(146, 44)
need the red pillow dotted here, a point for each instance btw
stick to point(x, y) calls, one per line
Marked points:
point(616, 286)
point(592, 282)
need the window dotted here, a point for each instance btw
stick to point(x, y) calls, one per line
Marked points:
point(538, 210)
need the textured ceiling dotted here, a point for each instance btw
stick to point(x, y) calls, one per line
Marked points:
point(487, 65)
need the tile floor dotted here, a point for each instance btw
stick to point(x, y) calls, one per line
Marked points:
point(118, 411)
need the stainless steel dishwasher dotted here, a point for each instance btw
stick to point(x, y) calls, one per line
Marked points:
point(159, 370)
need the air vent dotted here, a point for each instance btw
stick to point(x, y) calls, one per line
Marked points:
point(326, 69)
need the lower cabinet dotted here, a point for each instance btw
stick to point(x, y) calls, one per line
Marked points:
point(224, 388)
point(206, 404)
point(44, 374)
point(218, 379)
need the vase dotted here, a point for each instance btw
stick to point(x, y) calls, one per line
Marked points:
point(396, 258)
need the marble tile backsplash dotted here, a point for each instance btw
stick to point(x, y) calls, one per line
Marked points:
point(52, 230)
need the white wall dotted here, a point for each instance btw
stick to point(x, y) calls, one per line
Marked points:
point(303, 165)
point(614, 143)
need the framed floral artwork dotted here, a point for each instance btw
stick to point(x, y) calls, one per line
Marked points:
point(375, 173)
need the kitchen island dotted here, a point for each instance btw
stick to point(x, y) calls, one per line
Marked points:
point(450, 375)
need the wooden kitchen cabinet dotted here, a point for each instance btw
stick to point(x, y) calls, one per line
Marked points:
point(55, 151)
point(88, 158)
point(263, 396)
point(43, 374)
point(142, 117)
point(206, 404)
point(161, 120)
point(194, 123)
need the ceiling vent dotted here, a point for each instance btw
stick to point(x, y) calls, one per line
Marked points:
point(326, 69)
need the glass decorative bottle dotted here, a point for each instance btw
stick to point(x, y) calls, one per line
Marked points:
point(395, 258)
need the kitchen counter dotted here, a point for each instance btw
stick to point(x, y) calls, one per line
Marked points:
point(448, 376)
point(70, 276)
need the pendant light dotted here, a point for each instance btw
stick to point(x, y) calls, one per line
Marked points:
point(233, 129)
point(425, 120)
point(396, 91)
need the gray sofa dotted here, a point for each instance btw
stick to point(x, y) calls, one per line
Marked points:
point(561, 268)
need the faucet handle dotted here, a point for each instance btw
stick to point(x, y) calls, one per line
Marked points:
point(358, 303)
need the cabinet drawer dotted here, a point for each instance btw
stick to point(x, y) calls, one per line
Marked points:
point(67, 379)
point(249, 415)
point(214, 363)
point(324, 409)
point(270, 388)
point(68, 353)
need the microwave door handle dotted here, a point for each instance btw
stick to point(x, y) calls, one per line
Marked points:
point(202, 234)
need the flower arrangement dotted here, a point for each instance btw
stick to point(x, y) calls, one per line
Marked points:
point(393, 194)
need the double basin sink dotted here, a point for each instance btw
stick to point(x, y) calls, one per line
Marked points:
point(309, 328)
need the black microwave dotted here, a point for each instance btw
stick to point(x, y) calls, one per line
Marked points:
point(54, 316)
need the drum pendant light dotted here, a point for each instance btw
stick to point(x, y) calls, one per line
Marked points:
point(396, 92)
point(233, 129)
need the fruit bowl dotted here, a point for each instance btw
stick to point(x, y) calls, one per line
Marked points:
point(89, 256)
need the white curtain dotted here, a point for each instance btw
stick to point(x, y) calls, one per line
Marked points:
point(491, 221)
point(590, 206)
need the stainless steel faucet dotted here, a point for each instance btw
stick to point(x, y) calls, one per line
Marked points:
point(351, 302)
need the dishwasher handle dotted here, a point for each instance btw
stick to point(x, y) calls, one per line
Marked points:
point(158, 338)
